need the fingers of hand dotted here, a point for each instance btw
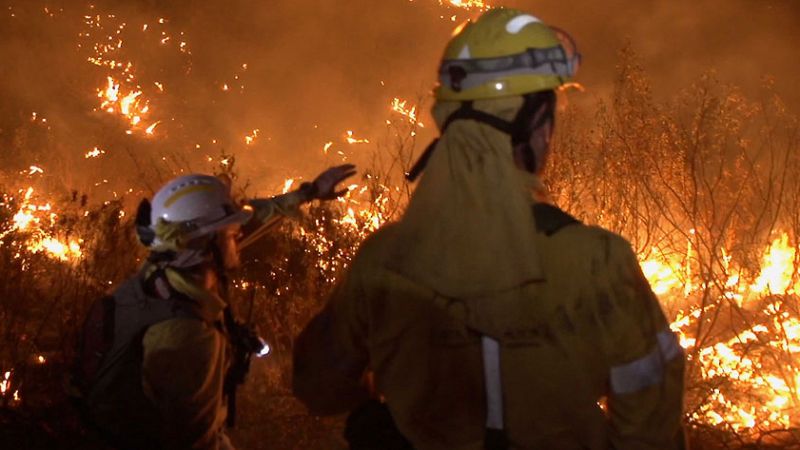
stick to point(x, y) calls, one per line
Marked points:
point(326, 182)
point(341, 176)
point(341, 172)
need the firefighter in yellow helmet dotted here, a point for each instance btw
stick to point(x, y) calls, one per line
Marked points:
point(486, 318)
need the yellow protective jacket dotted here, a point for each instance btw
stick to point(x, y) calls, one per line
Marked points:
point(473, 258)
point(599, 333)
point(185, 361)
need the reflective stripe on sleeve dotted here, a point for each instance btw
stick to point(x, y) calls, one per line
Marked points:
point(669, 345)
point(494, 388)
point(647, 370)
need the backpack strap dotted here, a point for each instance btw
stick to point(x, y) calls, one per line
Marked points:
point(94, 341)
point(136, 310)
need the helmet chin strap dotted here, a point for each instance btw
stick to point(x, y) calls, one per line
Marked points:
point(520, 129)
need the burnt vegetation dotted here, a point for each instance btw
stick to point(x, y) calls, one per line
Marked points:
point(705, 184)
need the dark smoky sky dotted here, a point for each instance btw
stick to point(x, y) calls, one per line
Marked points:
point(318, 68)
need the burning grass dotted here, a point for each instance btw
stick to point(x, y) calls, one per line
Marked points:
point(705, 185)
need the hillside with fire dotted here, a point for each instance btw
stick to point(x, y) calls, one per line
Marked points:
point(103, 102)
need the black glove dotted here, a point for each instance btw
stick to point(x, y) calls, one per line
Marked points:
point(324, 186)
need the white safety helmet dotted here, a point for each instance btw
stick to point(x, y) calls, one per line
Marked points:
point(202, 203)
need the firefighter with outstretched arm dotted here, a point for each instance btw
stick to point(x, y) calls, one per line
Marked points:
point(153, 367)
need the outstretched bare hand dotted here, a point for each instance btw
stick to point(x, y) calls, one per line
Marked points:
point(324, 186)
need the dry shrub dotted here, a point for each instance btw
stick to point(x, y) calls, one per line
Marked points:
point(702, 184)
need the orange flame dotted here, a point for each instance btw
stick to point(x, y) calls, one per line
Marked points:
point(249, 139)
point(399, 106)
point(352, 140)
point(732, 359)
point(33, 220)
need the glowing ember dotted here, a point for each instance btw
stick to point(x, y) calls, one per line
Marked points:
point(94, 153)
point(5, 388)
point(469, 5)
point(249, 139)
point(327, 147)
point(472, 5)
point(352, 140)
point(152, 128)
point(5, 383)
point(287, 185)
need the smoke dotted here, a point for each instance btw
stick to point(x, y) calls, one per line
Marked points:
point(303, 73)
point(744, 41)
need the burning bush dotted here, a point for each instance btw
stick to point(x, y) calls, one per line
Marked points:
point(704, 184)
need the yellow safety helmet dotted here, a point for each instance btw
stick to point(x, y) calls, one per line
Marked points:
point(505, 52)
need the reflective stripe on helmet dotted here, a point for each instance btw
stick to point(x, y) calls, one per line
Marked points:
point(516, 24)
point(190, 189)
point(196, 205)
point(479, 78)
point(647, 370)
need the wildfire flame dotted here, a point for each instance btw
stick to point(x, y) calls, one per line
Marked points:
point(772, 389)
point(778, 269)
point(287, 185)
point(33, 221)
point(121, 94)
point(352, 140)
point(772, 400)
point(5, 388)
point(471, 5)
point(249, 139)
point(152, 128)
point(94, 153)
point(5, 383)
point(129, 105)
point(399, 106)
